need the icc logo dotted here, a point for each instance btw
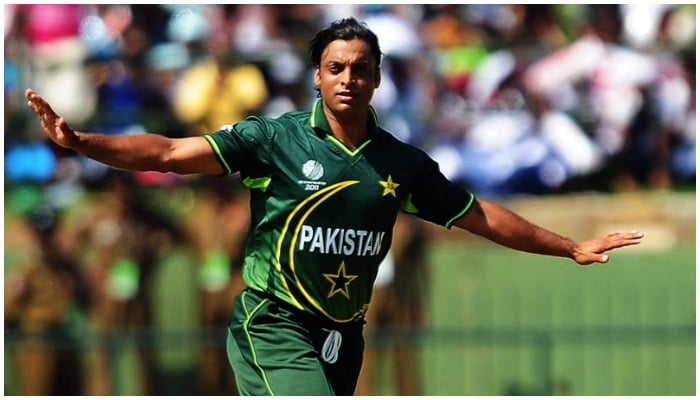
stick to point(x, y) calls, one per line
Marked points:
point(312, 169)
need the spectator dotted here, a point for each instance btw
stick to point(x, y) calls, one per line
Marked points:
point(406, 97)
point(221, 87)
point(613, 76)
point(45, 300)
point(124, 239)
point(218, 227)
point(58, 53)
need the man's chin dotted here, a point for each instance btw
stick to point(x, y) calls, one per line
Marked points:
point(350, 105)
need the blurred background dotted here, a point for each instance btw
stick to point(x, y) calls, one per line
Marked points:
point(580, 117)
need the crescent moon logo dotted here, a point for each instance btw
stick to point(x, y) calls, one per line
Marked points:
point(294, 222)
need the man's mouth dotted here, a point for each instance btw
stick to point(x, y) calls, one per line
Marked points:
point(346, 96)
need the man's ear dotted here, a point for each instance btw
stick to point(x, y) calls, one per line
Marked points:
point(317, 77)
point(378, 78)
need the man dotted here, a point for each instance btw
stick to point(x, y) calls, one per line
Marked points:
point(326, 186)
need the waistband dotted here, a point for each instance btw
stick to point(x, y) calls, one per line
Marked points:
point(308, 318)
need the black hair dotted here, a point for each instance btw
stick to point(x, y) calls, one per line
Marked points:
point(344, 29)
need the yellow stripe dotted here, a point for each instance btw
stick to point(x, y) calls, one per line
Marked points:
point(312, 119)
point(296, 236)
point(280, 241)
point(249, 316)
point(461, 213)
point(217, 151)
point(344, 148)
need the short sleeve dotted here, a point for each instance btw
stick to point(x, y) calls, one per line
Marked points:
point(437, 199)
point(244, 146)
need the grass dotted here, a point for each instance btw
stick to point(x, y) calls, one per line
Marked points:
point(625, 328)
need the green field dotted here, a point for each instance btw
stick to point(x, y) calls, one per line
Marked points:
point(504, 322)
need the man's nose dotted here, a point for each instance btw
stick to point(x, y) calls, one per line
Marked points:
point(348, 76)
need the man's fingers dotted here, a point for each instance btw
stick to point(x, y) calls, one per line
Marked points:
point(621, 239)
point(33, 103)
point(32, 99)
point(36, 102)
point(49, 119)
point(593, 251)
point(633, 234)
point(52, 123)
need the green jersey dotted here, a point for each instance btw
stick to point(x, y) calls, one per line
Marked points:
point(323, 215)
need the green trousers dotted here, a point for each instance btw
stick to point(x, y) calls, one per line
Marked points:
point(276, 350)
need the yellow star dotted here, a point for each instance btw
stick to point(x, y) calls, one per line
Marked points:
point(389, 187)
point(340, 282)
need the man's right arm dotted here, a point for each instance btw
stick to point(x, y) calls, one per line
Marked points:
point(150, 152)
point(142, 152)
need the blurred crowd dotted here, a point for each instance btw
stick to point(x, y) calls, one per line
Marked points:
point(509, 99)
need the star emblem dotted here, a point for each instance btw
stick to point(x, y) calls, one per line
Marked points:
point(340, 282)
point(389, 187)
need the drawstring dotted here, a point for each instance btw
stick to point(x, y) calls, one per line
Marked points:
point(331, 346)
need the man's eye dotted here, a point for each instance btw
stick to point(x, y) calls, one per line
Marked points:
point(361, 69)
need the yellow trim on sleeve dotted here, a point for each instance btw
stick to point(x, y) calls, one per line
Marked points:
point(461, 213)
point(217, 152)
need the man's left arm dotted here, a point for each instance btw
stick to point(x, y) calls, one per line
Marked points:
point(504, 227)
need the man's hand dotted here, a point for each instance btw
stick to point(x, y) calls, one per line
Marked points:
point(54, 125)
point(593, 251)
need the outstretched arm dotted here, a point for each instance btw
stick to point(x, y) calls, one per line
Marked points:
point(142, 152)
point(506, 228)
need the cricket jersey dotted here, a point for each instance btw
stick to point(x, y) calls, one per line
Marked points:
point(322, 215)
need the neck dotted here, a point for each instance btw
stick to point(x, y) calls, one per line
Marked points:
point(350, 129)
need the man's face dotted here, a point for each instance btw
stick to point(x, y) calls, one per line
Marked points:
point(347, 76)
